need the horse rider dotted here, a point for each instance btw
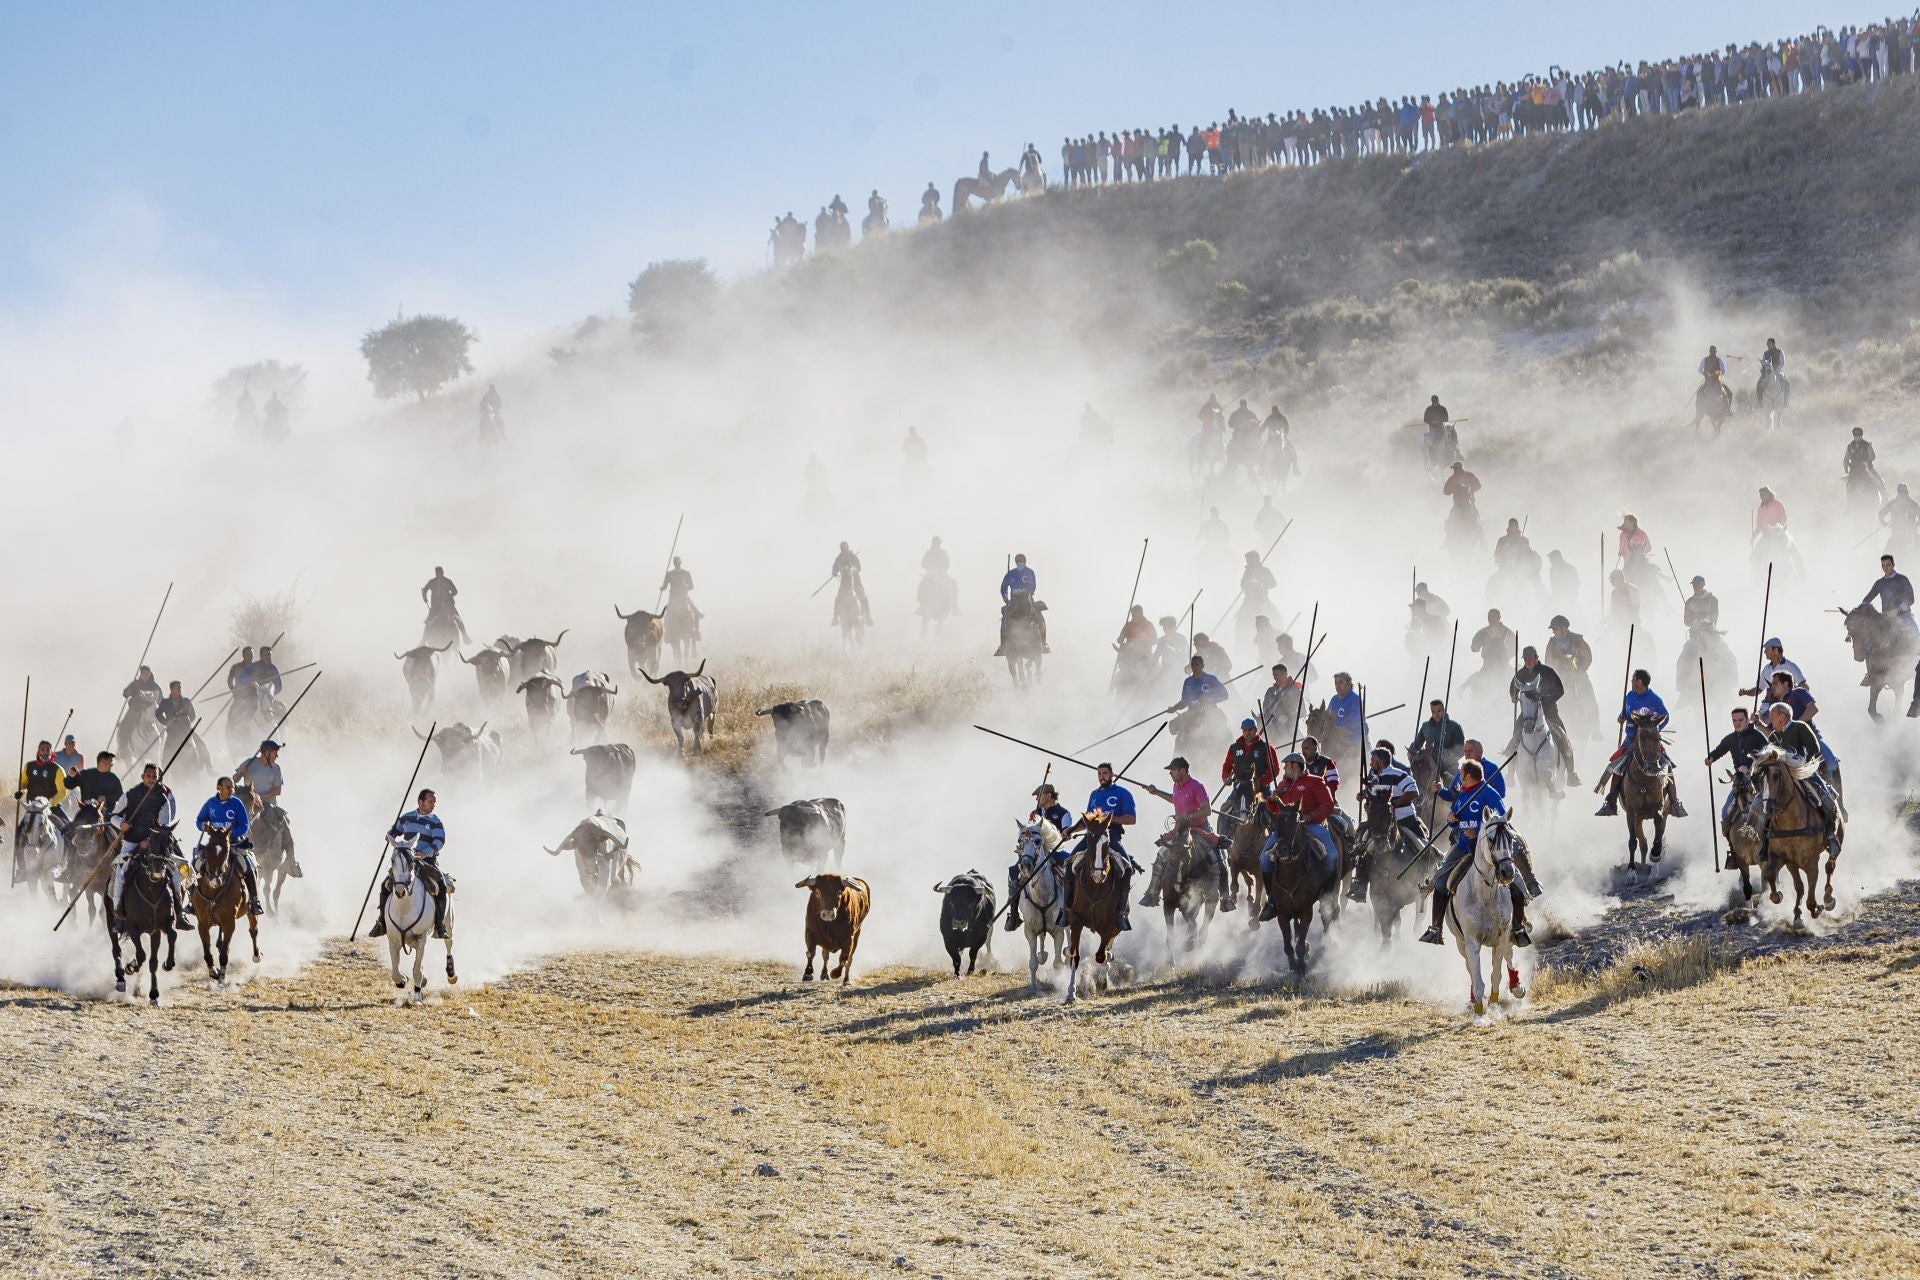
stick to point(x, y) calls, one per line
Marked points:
point(1263, 633)
point(1640, 697)
point(439, 591)
point(41, 778)
point(1775, 360)
point(174, 709)
point(1545, 683)
point(1775, 661)
point(1443, 735)
point(1771, 514)
point(1493, 642)
point(1250, 766)
point(1435, 415)
point(1345, 708)
point(1017, 586)
point(1191, 808)
point(1290, 657)
point(259, 777)
point(1901, 518)
point(1513, 551)
point(1740, 745)
point(1701, 610)
point(1201, 689)
point(1713, 371)
point(1563, 580)
point(143, 809)
point(490, 404)
point(1894, 594)
point(1568, 654)
point(930, 201)
point(237, 673)
point(1136, 633)
point(1327, 769)
point(1280, 704)
point(1313, 799)
point(1257, 583)
point(1391, 780)
point(224, 811)
point(141, 683)
point(1470, 804)
point(69, 759)
point(1473, 749)
point(1461, 485)
point(1170, 648)
point(678, 584)
point(1114, 800)
point(427, 836)
point(986, 169)
point(1797, 738)
point(846, 567)
point(99, 787)
point(1205, 646)
point(837, 207)
point(1859, 460)
point(1435, 605)
point(263, 674)
point(1424, 631)
point(1047, 807)
point(1633, 547)
point(937, 564)
point(1242, 419)
point(876, 207)
point(1623, 601)
point(273, 419)
point(1780, 691)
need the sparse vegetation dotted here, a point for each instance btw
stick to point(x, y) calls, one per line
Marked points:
point(417, 355)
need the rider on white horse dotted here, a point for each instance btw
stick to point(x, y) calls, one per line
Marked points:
point(678, 584)
point(1543, 682)
point(1468, 804)
point(1046, 808)
point(427, 836)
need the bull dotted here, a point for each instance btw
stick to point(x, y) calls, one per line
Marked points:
point(462, 748)
point(491, 667)
point(542, 693)
point(532, 656)
point(609, 774)
point(417, 667)
point(690, 704)
point(836, 908)
point(599, 847)
point(811, 831)
point(589, 705)
point(644, 633)
point(799, 729)
point(966, 918)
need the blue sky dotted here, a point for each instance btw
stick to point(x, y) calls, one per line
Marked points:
point(520, 163)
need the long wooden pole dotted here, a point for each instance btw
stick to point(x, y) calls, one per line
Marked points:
point(296, 702)
point(1766, 604)
point(1675, 575)
point(1306, 665)
point(1420, 707)
point(26, 701)
point(151, 631)
point(1626, 682)
point(1706, 731)
point(1439, 768)
point(1243, 590)
point(1133, 598)
point(411, 779)
point(658, 596)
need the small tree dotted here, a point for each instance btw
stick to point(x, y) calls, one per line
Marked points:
point(1188, 272)
point(420, 354)
point(260, 379)
point(670, 296)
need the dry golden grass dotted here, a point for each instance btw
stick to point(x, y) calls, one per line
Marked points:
point(658, 1116)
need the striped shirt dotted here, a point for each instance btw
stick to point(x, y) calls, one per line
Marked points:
point(426, 831)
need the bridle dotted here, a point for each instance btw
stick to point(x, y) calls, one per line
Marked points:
point(1495, 831)
point(1032, 859)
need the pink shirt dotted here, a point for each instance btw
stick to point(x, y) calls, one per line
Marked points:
point(1190, 797)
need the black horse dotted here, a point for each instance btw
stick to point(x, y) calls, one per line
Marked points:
point(146, 912)
point(1298, 877)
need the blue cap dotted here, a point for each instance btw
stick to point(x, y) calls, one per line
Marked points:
point(1249, 723)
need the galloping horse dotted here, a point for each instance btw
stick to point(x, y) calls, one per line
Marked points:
point(1711, 403)
point(1299, 875)
point(1771, 394)
point(1024, 646)
point(1243, 859)
point(410, 916)
point(681, 629)
point(1538, 769)
point(1387, 847)
point(219, 897)
point(42, 849)
point(1887, 648)
point(1095, 904)
point(848, 615)
point(272, 833)
point(89, 841)
point(145, 912)
point(1189, 887)
point(1791, 834)
point(1644, 789)
point(1480, 914)
point(1043, 897)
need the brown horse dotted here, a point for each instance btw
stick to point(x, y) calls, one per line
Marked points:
point(1299, 875)
point(1098, 890)
point(966, 190)
point(1791, 834)
point(219, 898)
point(1243, 859)
point(272, 833)
point(1886, 647)
point(1646, 786)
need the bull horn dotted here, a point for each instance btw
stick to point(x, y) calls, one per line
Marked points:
point(403, 657)
point(942, 888)
point(702, 667)
point(562, 636)
point(577, 751)
point(770, 813)
point(416, 733)
point(482, 729)
point(764, 711)
point(649, 679)
point(805, 884)
point(469, 661)
point(553, 852)
point(622, 616)
point(443, 648)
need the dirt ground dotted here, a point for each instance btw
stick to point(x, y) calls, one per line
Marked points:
point(1679, 1112)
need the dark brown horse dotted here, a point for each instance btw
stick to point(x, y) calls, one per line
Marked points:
point(1098, 890)
point(1243, 859)
point(146, 912)
point(1645, 788)
point(1389, 847)
point(1299, 876)
point(219, 899)
point(272, 833)
point(1886, 647)
point(1190, 888)
point(90, 841)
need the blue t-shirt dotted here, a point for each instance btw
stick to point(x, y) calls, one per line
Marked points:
point(1019, 578)
point(1468, 808)
point(228, 813)
point(1345, 708)
point(1205, 687)
point(1636, 701)
point(1114, 799)
point(1495, 779)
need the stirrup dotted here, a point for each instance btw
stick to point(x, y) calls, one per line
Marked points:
point(1268, 911)
point(379, 929)
point(1521, 938)
point(1357, 891)
point(1432, 935)
point(1610, 809)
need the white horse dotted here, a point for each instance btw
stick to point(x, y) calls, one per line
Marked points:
point(1537, 768)
point(1043, 899)
point(1480, 914)
point(42, 849)
point(1772, 395)
point(410, 918)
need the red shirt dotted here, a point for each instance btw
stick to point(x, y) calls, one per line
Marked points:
point(1266, 761)
point(1770, 513)
point(1307, 794)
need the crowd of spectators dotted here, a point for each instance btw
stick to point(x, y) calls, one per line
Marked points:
point(1557, 101)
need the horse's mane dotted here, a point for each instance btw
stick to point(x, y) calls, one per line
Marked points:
point(1800, 769)
point(1050, 836)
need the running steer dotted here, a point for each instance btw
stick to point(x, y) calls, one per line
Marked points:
point(609, 774)
point(966, 917)
point(690, 702)
point(811, 830)
point(836, 908)
point(462, 748)
point(799, 729)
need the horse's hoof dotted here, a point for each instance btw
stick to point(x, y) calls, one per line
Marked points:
point(1482, 1020)
point(400, 986)
point(120, 987)
point(166, 966)
point(1775, 898)
point(153, 1002)
point(453, 979)
point(1813, 909)
point(1828, 901)
point(1519, 991)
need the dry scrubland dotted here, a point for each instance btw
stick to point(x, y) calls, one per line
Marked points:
point(644, 1115)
